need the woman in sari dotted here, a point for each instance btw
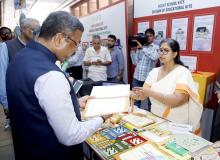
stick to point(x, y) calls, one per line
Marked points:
point(171, 89)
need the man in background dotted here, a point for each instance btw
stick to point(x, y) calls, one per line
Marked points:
point(145, 59)
point(115, 70)
point(216, 131)
point(7, 53)
point(5, 34)
point(97, 58)
point(75, 64)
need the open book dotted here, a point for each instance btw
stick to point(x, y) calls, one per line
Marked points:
point(138, 120)
point(108, 100)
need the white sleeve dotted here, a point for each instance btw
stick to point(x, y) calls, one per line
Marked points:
point(86, 57)
point(52, 90)
point(108, 56)
point(152, 76)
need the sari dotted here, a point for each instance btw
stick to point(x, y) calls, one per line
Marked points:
point(180, 80)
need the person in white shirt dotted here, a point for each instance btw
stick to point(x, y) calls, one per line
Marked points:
point(44, 110)
point(97, 58)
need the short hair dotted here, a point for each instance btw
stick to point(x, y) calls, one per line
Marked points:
point(149, 30)
point(59, 22)
point(28, 22)
point(4, 28)
point(112, 36)
point(96, 37)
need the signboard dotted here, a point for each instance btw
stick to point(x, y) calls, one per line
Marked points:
point(157, 7)
point(20, 4)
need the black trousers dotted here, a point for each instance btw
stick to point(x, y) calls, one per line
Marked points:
point(76, 72)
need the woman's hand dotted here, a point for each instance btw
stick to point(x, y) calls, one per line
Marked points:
point(139, 93)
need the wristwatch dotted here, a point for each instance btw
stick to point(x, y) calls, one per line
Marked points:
point(103, 119)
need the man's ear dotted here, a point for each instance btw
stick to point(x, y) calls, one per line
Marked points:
point(59, 40)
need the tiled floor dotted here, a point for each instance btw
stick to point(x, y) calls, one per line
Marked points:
point(6, 146)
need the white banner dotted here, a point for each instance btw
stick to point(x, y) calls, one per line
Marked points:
point(108, 21)
point(155, 7)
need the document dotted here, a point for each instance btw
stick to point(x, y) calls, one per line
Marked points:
point(108, 100)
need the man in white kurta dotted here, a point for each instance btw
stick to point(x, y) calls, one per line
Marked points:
point(97, 58)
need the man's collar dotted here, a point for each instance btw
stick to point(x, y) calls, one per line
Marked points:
point(39, 47)
point(21, 41)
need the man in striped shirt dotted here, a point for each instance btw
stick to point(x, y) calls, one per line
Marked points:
point(145, 59)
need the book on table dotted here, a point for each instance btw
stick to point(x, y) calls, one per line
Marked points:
point(108, 100)
point(145, 151)
point(138, 120)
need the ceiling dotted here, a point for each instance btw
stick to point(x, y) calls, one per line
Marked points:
point(40, 9)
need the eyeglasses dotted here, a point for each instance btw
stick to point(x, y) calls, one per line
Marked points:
point(163, 51)
point(68, 37)
point(75, 43)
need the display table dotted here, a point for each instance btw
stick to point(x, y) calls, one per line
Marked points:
point(121, 140)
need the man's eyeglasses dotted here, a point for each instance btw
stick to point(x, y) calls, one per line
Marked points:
point(163, 51)
point(68, 37)
point(75, 43)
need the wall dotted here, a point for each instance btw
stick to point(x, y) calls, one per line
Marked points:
point(207, 61)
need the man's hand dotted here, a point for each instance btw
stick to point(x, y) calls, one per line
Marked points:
point(71, 79)
point(119, 77)
point(83, 101)
point(107, 117)
point(138, 44)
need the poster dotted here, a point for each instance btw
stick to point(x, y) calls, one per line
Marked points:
point(203, 32)
point(179, 31)
point(142, 26)
point(20, 4)
point(160, 28)
point(190, 62)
